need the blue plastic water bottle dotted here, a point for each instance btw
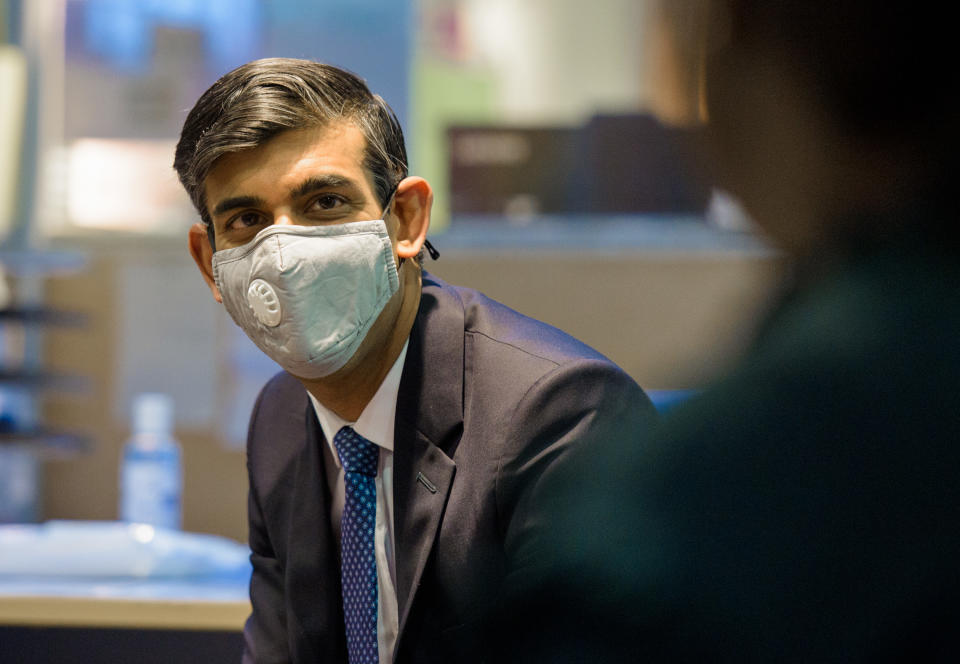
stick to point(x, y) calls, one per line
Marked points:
point(151, 476)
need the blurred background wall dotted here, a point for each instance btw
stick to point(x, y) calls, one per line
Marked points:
point(559, 137)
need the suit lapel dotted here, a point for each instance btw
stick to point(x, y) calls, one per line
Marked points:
point(429, 423)
point(313, 582)
point(419, 515)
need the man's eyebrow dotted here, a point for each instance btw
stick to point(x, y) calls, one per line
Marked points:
point(236, 202)
point(317, 183)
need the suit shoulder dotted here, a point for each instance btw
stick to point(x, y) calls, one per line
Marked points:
point(513, 356)
point(281, 385)
point(279, 396)
point(282, 403)
point(501, 325)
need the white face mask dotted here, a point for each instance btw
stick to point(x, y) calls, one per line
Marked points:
point(308, 295)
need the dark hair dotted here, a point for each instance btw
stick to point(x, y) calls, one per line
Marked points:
point(256, 101)
point(883, 68)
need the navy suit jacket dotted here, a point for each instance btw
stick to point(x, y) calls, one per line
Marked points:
point(491, 405)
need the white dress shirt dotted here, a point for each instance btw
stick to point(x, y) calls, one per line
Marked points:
point(376, 424)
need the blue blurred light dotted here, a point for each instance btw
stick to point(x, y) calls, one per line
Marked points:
point(122, 32)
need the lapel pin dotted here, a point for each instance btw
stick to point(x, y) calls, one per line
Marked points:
point(431, 487)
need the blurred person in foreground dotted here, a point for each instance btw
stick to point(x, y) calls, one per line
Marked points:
point(396, 465)
point(806, 507)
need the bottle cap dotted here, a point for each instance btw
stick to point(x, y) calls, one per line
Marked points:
point(153, 413)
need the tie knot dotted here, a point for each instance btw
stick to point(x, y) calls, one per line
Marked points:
point(357, 454)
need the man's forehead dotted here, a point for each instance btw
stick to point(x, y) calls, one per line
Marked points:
point(337, 145)
point(339, 137)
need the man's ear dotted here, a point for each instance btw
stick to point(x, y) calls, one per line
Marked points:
point(202, 254)
point(411, 205)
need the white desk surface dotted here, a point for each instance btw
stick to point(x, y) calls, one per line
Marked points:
point(193, 604)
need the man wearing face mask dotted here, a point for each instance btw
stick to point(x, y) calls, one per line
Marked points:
point(395, 466)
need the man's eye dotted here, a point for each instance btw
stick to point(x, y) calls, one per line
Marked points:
point(325, 202)
point(245, 220)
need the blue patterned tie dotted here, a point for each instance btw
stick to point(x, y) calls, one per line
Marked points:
point(358, 558)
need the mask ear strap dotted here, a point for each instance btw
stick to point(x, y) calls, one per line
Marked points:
point(434, 254)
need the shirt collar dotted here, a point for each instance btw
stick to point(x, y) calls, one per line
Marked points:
point(376, 422)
